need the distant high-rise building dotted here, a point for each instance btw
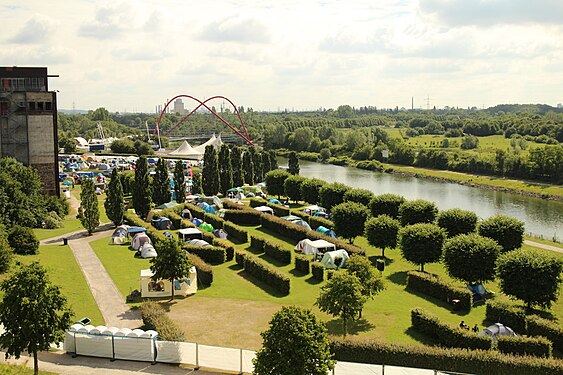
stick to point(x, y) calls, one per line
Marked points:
point(179, 106)
point(28, 122)
point(559, 105)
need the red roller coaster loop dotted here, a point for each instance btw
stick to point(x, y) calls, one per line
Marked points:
point(244, 135)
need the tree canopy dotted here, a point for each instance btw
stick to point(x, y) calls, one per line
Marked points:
point(310, 190)
point(332, 194)
point(179, 182)
point(421, 243)
point(141, 188)
point(382, 231)
point(507, 231)
point(417, 211)
point(88, 211)
point(386, 204)
point(161, 192)
point(456, 221)
point(210, 172)
point(275, 181)
point(349, 219)
point(172, 262)
point(292, 187)
point(225, 169)
point(293, 163)
point(114, 199)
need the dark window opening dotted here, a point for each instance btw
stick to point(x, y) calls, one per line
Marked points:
point(48, 106)
point(40, 106)
point(3, 108)
point(32, 106)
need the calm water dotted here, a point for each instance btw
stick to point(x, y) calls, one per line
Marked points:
point(542, 217)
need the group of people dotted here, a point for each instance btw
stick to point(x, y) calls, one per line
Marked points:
point(464, 326)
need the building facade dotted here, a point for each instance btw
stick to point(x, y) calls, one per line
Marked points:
point(28, 122)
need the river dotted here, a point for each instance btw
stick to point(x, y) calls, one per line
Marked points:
point(542, 217)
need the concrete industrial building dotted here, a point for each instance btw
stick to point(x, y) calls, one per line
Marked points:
point(28, 122)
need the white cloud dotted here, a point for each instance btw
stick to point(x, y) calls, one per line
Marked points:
point(234, 29)
point(36, 30)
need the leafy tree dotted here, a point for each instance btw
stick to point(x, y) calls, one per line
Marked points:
point(67, 144)
point(258, 166)
point(302, 139)
point(114, 199)
point(531, 276)
point(161, 183)
point(370, 279)
point(471, 258)
point(293, 163)
point(179, 182)
point(507, 231)
point(273, 159)
point(295, 343)
point(342, 296)
point(417, 211)
point(88, 211)
point(236, 162)
point(210, 172)
point(6, 253)
point(33, 312)
point(172, 262)
point(386, 204)
point(362, 196)
point(310, 189)
point(421, 243)
point(266, 164)
point(325, 153)
point(275, 181)
point(141, 188)
point(456, 221)
point(469, 142)
point(382, 231)
point(225, 169)
point(23, 241)
point(332, 194)
point(248, 168)
point(127, 179)
point(292, 187)
point(349, 219)
point(100, 114)
point(196, 187)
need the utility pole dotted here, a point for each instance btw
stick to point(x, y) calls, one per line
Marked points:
point(412, 102)
point(427, 102)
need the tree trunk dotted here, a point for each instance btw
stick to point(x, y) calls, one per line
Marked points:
point(35, 364)
point(383, 252)
point(422, 267)
point(172, 297)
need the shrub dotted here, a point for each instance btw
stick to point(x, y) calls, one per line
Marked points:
point(239, 257)
point(507, 231)
point(552, 330)
point(53, 221)
point(522, 345)
point(318, 271)
point(227, 245)
point(257, 202)
point(310, 190)
point(444, 334)
point(417, 211)
point(22, 240)
point(349, 219)
point(209, 254)
point(292, 187)
point(332, 194)
point(279, 210)
point(275, 180)
point(277, 252)
point(155, 318)
point(456, 221)
point(509, 315)
point(421, 243)
point(230, 205)
point(204, 270)
point(243, 217)
point(236, 232)
point(257, 243)
point(451, 359)
point(195, 210)
point(302, 263)
point(431, 285)
point(362, 196)
point(214, 220)
point(301, 214)
point(317, 221)
point(6, 253)
point(386, 204)
point(268, 275)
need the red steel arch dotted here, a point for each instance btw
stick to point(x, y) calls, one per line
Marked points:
point(244, 135)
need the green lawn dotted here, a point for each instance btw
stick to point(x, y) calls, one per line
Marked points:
point(6, 369)
point(71, 225)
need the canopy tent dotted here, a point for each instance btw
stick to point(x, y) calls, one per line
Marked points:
point(207, 227)
point(214, 141)
point(163, 288)
point(312, 209)
point(307, 246)
point(147, 251)
point(139, 240)
point(187, 234)
point(497, 329)
point(187, 151)
point(167, 205)
point(220, 233)
point(326, 231)
point(335, 259)
point(119, 235)
point(265, 209)
point(197, 242)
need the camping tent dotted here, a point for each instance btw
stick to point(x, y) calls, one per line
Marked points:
point(187, 234)
point(119, 235)
point(274, 201)
point(311, 210)
point(186, 214)
point(497, 329)
point(330, 259)
point(197, 242)
point(162, 223)
point(307, 246)
point(265, 209)
point(197, 222)
point(220, 233)
point(302, 223)
point(163, 288)
point(290, 218)
point(206, 207)
point(326, 231)
point(139, 240)
point(167, 205)
point(147, 251)
point(207, 227)
point(133, 230)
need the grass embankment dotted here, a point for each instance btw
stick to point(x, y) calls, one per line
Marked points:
point(6, 369)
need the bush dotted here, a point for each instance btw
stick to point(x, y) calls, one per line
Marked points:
point(277, 252)
point(6, 253)
point(509, 315)
point(279, 210)
point(431, 285)
point(214, 220)
point(257, 243)
point(417, 211)
point(386, 204)
point(362, 196)
point(301, 214)
point(22, 240)
point(204, 270)
point(230, 205)
point(507, 231)
point(435, 358)
point(445, 335)
point(268, 275)
point(257, 202)
point(317, 221)
point(302, 264)
point(209, 254)
point(456, 221)
point(236, 232)
point(522, 345)
point(53, 221)
point(155, 318)
point(552, 330)
point(227, 245)
point(195, 210)
point(318, 271)
point(332, 194)
point(243, 217)
point(240, 256)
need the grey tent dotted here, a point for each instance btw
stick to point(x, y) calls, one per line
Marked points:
point(119, 236)
point(220, 233)
point(186, 214)
point(198, 243)
point(162, 223)
point(497, 329)
point(147, 251)
point(330, 259)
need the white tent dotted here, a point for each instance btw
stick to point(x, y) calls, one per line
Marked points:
point(214, 141)
point(139, 240)
point(265, 209)
point(148, 251)
point(198, 243)
point(163, 288)
point(497, 329)
point(187, 151)
point(329, 259)
point(307, 246)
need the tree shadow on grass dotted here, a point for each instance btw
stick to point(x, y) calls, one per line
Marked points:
point(399, 278)
point(423, 339)
point(272, 261)
point(438, 302)
point(311, 280)
point(297, 273)
point(336, 327)
point(235, 267)
point(265, 287)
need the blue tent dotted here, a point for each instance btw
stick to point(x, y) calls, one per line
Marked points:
point(207, 208)
point(326, 231)
point(197, 222)
point(274, 201)
point(134, 230)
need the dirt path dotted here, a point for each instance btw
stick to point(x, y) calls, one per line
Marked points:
point(543, 246)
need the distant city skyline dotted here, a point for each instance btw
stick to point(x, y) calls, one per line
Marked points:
point(132, 55)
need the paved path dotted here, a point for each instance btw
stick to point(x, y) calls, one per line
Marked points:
point(544, 246)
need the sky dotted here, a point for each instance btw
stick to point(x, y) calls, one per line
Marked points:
point(131, 55)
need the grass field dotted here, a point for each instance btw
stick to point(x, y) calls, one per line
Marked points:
point(71, 225)
point(20, 370)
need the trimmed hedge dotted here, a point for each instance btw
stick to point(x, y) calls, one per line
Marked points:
point(195, 210)
point(204, 270)
point(509, 315)
point(431, 285)
point(214, 220)
point(132, 219)
point(210, 254)
point(523, 345)
point(279, 210)
point(435, 358)
point(551, 330)
point(227, 245)
point(235, 231)
point(275, 251)
point(155, 318)
point(240, 256)
point(318, 271)
point(266, 274)
point(257, 243)
point(257, 202)
point(301, 214)
point(317, 221)
point(174, 217)
point(302, 263)
point(243, 217)
point(430, 325)
point(230, 205)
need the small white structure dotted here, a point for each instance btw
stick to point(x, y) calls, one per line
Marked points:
point(307, 246)
point(163, 288)
point(139, 240)
point(265, 209)
point(330, 257)
point(187, 234)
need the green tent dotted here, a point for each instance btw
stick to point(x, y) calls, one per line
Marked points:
point(206, 227)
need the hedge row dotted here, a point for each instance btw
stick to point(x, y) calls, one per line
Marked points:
point(263, 272)
point(152, 232)
point(257, 202)
point(257, 243)
point(243, 217)
point(235, 231)
point(155, 318)
point(553, 331)
point(301, 214)
point(279, 210)
point(174, 217)
point(204, 270)
point(431, 285)
point(210, 254)
point(214, 220)
point(227, 245)
point(195, 210)
point(298, 233)
point(523, 345)
point(435, 358)
point(275, 251)
point(302, 263)
point(230, 205)
point(318, 271)
point(317, 221)
point(445, 335)
point(240, 255)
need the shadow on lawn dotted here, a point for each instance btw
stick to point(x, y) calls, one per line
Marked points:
point(423, 339)
point(335, 326)
point(266, 288)
point(297, 273)
point(374, 258)
point(311, 280)
point(399, 278)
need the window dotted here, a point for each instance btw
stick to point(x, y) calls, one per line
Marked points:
point(40, 106)
point(48, 106)
point(31, 106)
point(3, 108)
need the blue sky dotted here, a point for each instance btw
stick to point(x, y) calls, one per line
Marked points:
point(134, 54)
